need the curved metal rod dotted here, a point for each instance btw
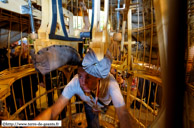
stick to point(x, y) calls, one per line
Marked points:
point(54, 23)
point(30, 102)
point(54, 17)
point(142, 102)
point(61, 17)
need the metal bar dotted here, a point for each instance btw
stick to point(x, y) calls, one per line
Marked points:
point(31, 16)
point(28, 45)
point(158, 61)
point(14, 98)
point(147, 106)
point(9, 59)
point(77, 13)
point(111, 15)
point(57, 77)
point(23, 98)
point(44, 81)
point(143, 28)
point(151, 40)
point(155, 98)
point(60, 8)
point(137, 33)
point(129, 82)
point(30, 102)
point(39, 89)
point(51, 84)
point(148, 102)
point(92, 20)
point(144, 37)
point(21, 50)
point(129, 64)
point(118, 16)
point(60, 90)
point(32, 95)
point(135, 99)
point(142, 98)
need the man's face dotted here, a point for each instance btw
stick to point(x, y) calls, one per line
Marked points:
point(119, 78)
point(87, 81)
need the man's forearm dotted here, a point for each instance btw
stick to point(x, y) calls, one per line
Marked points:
point(45, 115)
point(125, 119)
point(53, 111)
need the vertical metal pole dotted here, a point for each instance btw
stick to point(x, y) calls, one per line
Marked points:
point(21, 48)
point(151, 40)
point(137, 7)
point(31, 91)
point(13, 94)
point(155, 94)
point(129, 38)
point(146, 115)
point(144, 36)
point(9, 36)
point(23, 99)
point(77, 13)
point(31, 16)
point(111, 15)
point(142, 94)
point(51, 85)
point(118, 16)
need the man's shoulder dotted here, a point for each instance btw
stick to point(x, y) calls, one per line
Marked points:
point(75, 77)
point(112, 83)
point(112, 79)
point(74, 81)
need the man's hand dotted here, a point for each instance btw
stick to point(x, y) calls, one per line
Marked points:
point(53, 111)
point(125, 118)
point(42, 84)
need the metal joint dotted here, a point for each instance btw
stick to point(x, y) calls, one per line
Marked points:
point(25, 9)
point(119, 9)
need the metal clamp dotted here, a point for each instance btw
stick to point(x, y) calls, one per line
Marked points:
point(119, 9)
point(25, 9)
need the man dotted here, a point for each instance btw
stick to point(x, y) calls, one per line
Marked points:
point(93, 76)
point(121, 81)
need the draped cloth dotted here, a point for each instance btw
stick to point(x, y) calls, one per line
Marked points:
point(53, 57)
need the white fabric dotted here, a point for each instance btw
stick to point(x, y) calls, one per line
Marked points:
point(114, 93)
point(97, 68)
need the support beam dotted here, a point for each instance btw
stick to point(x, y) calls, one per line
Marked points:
point(16, 6)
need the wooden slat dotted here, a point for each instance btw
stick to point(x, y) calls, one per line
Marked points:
point(4, 91)
point(9, 77)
